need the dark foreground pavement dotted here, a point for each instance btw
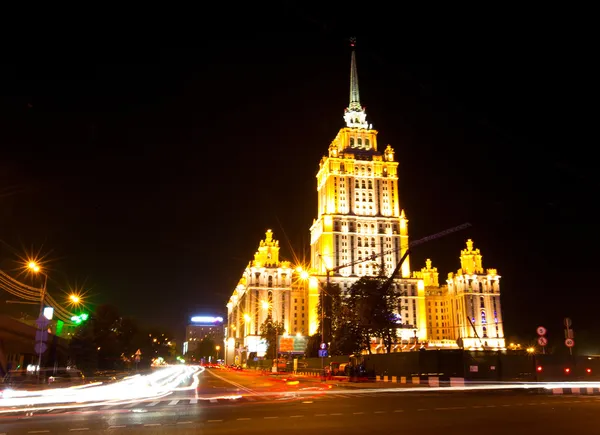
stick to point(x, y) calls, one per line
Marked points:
point(428, 413)
point(232, 403)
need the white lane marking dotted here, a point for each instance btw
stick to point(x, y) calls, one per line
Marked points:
point(215, 421)
point(398, 410)
point(307, 401)
point(174, 402)
point(320, 415)
point(184, 422)
point(270, 418)
point(296, 416)
point(193, 401)
point(379, 412)
point(151, 424)
point(336, 413)
point(39, 431)
point(117, 426)
point(77, 429)
point(243, 419)
point(358, 413)
point(154, 403)
point(213, 401)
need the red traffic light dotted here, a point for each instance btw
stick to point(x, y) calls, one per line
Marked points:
point(539, 368)
point(567, 370)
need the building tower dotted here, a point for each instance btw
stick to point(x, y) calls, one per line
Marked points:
point(359, 213)
point(269, 287)
point(475, 303)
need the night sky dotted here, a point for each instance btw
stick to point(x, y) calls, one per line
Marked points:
point(149, 174)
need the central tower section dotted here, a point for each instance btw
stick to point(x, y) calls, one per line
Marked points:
point(361, 228)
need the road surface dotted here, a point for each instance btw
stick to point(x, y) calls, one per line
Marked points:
point(227, 402)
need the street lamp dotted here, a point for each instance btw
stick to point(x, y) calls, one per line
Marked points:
point(217, 348)
point(75, 298)
point(35, 268)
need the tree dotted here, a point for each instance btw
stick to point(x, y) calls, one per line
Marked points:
point(107, 340)
point(372, 305)
point(206, 348)
point(270, 330)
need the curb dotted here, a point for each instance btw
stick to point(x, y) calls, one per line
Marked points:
point(575, 391)
point(431, 381)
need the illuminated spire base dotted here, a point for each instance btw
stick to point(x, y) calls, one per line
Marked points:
point(355, 115)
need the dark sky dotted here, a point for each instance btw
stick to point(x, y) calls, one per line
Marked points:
point(150, 171)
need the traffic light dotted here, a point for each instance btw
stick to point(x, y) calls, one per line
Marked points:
point(79, 319)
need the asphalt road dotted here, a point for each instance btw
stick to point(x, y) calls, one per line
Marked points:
point(261, 405)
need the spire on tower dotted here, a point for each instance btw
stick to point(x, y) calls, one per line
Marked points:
point(355, 115)
point(354, 94)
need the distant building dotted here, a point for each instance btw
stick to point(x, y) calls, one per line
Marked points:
point(202, 327)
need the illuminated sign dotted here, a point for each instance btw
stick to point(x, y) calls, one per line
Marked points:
point(80, 318)
point(292, 344)
point(48, 312)
point(207, 319)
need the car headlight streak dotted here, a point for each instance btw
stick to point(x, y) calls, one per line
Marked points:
point(160, 383)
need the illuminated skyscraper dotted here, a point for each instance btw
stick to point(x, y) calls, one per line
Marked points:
point(361, 227)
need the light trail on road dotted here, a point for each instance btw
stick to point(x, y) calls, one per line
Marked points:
point(128, 390)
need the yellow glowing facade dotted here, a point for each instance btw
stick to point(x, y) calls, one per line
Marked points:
point(268, 287)
point(466, 311)
point(361, 227)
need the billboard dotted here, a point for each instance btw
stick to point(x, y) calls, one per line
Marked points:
point(207, 320)
point(292, 344)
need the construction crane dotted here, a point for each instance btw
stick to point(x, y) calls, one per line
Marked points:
point(391, 278)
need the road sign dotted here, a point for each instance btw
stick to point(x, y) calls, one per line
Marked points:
point(42, 322)
point(322, 346)
point(138, 352)
point(568, 322)
point(569, 342)
point(40, 348)
point(542, 341)
point(541, 331)
point(323, 353)
point(41, 335)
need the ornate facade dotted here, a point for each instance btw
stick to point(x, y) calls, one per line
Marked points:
point(361, 229)
point(269, 287)
point(466, 312)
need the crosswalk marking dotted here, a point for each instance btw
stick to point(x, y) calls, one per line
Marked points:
point(174, 402)
point(193, 401)
point(154, 403)
point(213, 401)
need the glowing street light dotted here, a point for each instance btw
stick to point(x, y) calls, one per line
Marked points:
point(33, 266)
point(265, 305)
point(74, 298)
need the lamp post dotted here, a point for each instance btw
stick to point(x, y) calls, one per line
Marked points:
point(217, 348)
point(35, 268)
